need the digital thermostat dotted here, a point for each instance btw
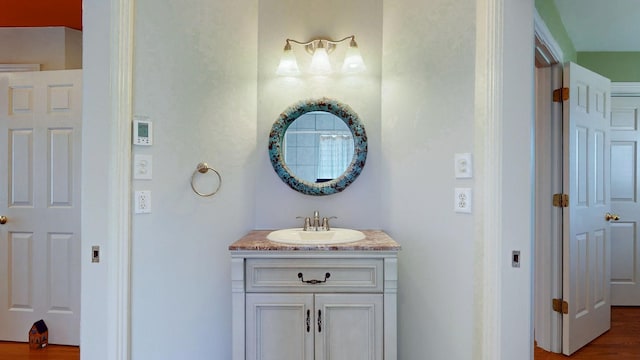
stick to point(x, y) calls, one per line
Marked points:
point(142, 132)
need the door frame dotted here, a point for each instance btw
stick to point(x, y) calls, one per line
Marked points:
point(548, 154)
point(503, 220)
point(119, 205)
point(106, 206)
point(548, 280)
point(114, 203)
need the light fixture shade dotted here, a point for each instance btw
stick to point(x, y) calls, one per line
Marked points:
point(353, 62)
point(320, 64)
point(288, 65)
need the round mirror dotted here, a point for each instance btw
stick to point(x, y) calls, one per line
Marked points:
point(318, 147)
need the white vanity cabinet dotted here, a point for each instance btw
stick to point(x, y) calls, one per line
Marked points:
point(314, 326)
point(314, 303)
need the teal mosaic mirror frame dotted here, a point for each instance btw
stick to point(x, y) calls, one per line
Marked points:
point(337, 108)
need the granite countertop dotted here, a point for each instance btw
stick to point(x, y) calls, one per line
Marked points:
point(375, 240)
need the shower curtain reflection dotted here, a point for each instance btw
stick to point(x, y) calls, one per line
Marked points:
point(335, 155)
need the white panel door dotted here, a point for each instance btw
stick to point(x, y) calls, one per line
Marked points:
point(586, 235)
point(279, 326)
point(349, 327)
point(625, 244)
point(40, 143)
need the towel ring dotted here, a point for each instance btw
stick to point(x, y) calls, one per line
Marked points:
point(203, 168)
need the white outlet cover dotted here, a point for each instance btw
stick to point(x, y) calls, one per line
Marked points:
point(462, 200)
point(463, 166)
point(142, 167)
point(142, 202)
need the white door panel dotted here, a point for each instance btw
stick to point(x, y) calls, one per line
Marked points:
point(40, 143)
point(586, 233)
point(625, 246)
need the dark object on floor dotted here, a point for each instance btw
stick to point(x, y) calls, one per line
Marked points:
point(38, 335)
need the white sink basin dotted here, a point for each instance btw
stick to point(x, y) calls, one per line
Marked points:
point(297, 236)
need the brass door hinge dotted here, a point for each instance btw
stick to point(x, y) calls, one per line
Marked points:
point(561, 200)
point(560, 306)
point(560, 95)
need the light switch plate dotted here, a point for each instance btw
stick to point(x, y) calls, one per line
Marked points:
point(462, 200)
point(463, 166)
point(142, 167)
point(515, 258)
point(95, 254)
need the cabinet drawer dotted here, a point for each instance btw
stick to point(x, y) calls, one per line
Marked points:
point(314, 275)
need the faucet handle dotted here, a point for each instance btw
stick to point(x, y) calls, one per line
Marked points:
point(307, 222)
point(325, 222)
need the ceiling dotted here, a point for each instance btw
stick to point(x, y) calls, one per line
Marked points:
point(602, 25)
point(18, 13)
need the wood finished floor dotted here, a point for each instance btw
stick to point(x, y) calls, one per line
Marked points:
point(622, 342)
point(21, 351)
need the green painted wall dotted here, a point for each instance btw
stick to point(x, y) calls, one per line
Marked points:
point(549, 13)
point(617, 66)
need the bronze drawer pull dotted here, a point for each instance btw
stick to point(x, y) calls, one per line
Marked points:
point(314, 281)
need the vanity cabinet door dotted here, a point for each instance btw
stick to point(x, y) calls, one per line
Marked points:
point(276, 326)
point(349, 326)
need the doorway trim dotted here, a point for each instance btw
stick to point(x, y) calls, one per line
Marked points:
point(546, 45)
point(119, 205)
point(548, 154)
point(488, 137)
point(548, 227)
point(548, 219)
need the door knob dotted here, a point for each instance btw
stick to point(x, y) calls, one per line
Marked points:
point(610, 216)
point(3, 220)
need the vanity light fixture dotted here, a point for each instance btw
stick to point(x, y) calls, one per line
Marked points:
point(320, 49)
point(288, 64)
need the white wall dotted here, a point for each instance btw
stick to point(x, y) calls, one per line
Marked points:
point(427, 117)
point(428, 79)
point(276, 204)
point(97, 151)
point(517, 179)
point(195, 77)
point(54, 48)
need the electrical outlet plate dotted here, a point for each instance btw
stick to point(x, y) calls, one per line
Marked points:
point(463, 166)
point(462, 200)
point(142, 202)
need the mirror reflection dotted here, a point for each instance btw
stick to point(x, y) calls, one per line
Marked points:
point(318, 147)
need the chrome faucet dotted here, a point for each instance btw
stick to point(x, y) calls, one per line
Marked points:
point(317, 225)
